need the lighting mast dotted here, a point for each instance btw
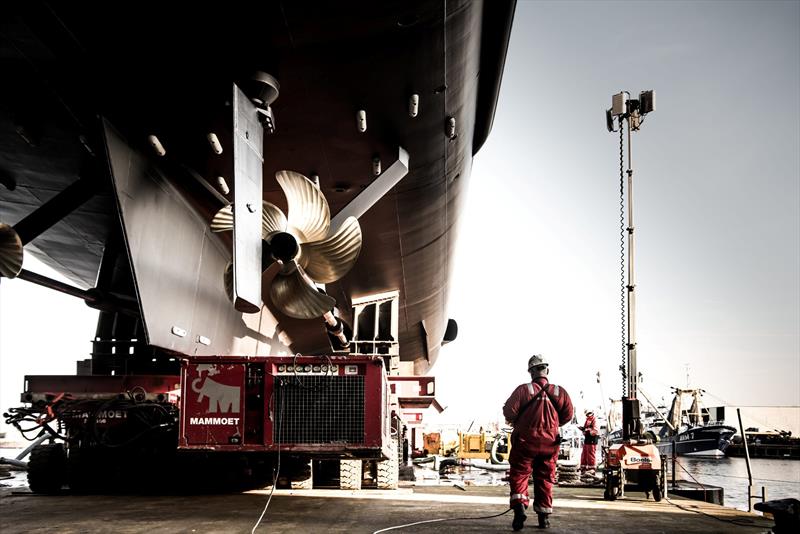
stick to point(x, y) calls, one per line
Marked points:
point(631, 112)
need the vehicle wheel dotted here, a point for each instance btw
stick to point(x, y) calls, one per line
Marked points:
point(47, 468)
point(350, 474)
point(389, 471)
point(497, 456)
point(80, 472)
point(611, 494)
point(657, 493)
point(305, 478)
point(612, 489)
point(658, 487)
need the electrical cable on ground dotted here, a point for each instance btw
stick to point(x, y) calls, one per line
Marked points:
point(698, 511)
point(732, 521)
point(281, 408)
point(278, 467)
point(397, 527)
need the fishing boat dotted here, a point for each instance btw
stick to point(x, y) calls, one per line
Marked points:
point(685, 432)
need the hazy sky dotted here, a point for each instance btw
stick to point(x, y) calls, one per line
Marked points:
point(717, 190)
point(717, 199)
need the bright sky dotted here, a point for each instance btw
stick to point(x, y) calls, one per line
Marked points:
point(717, 198)
point(42, 332)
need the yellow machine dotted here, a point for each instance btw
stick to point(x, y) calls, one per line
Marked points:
point(485, 446)
point(432, 443)
point(472, 446)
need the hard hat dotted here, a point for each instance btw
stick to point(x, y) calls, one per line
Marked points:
point(537, 360)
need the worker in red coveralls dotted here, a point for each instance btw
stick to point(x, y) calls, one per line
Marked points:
point(536, 410)
point(589, 429)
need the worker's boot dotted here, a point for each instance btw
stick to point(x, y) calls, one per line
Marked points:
point(519, 516)
point(544, 522)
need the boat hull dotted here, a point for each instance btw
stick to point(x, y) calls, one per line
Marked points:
point(706, 441)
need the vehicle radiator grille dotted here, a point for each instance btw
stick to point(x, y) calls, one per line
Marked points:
point(318, 409)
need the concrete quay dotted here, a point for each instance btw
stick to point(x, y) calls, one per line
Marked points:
point(366, 511)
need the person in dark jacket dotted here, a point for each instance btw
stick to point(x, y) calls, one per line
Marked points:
point(536, 410)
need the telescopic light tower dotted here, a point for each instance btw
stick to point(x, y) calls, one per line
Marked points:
point(631, 112)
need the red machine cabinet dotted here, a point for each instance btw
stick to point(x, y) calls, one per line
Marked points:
point(325, 406)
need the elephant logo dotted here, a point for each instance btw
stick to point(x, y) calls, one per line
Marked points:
point(221, 397)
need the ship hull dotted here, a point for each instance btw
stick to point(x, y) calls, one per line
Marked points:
point(705, 441)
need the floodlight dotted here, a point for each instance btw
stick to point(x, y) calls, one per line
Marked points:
point(609, 121)
point(647, 102)
point(619, 104)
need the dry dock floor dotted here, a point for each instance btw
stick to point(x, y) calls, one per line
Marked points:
point(313, 511)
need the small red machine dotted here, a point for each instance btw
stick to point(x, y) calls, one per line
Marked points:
point(634, 463)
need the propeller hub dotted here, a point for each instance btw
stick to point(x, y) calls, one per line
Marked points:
point(283, 246)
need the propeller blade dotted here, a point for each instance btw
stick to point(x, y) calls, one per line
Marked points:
point(223, 220)
point(328, 260)
point(10, 252)
point(227, 276)
point(294, 296)
point(309, 215)
point(272, 219)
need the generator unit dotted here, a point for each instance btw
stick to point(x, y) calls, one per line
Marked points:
point(638, 466)
point(323, 406)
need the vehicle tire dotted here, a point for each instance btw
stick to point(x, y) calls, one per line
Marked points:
point(80, 471)
point(612, 490)
point(350, 474)
point(658, 487)
point(308, 483)
point(47, 468)
point(657, 496)
point(389, 471)
point(305, 479)
point(496, 456)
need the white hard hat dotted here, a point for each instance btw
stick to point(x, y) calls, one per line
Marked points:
point(537, 360)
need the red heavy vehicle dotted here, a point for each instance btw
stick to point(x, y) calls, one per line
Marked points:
point(227, 415)
point(289, 186)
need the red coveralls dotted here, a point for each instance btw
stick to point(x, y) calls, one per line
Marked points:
point(534, 445)
point(588, 459)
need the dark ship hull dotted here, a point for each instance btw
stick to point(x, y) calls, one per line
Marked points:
point(709, 440)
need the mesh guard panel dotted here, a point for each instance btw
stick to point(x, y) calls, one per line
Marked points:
point(319, 409)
